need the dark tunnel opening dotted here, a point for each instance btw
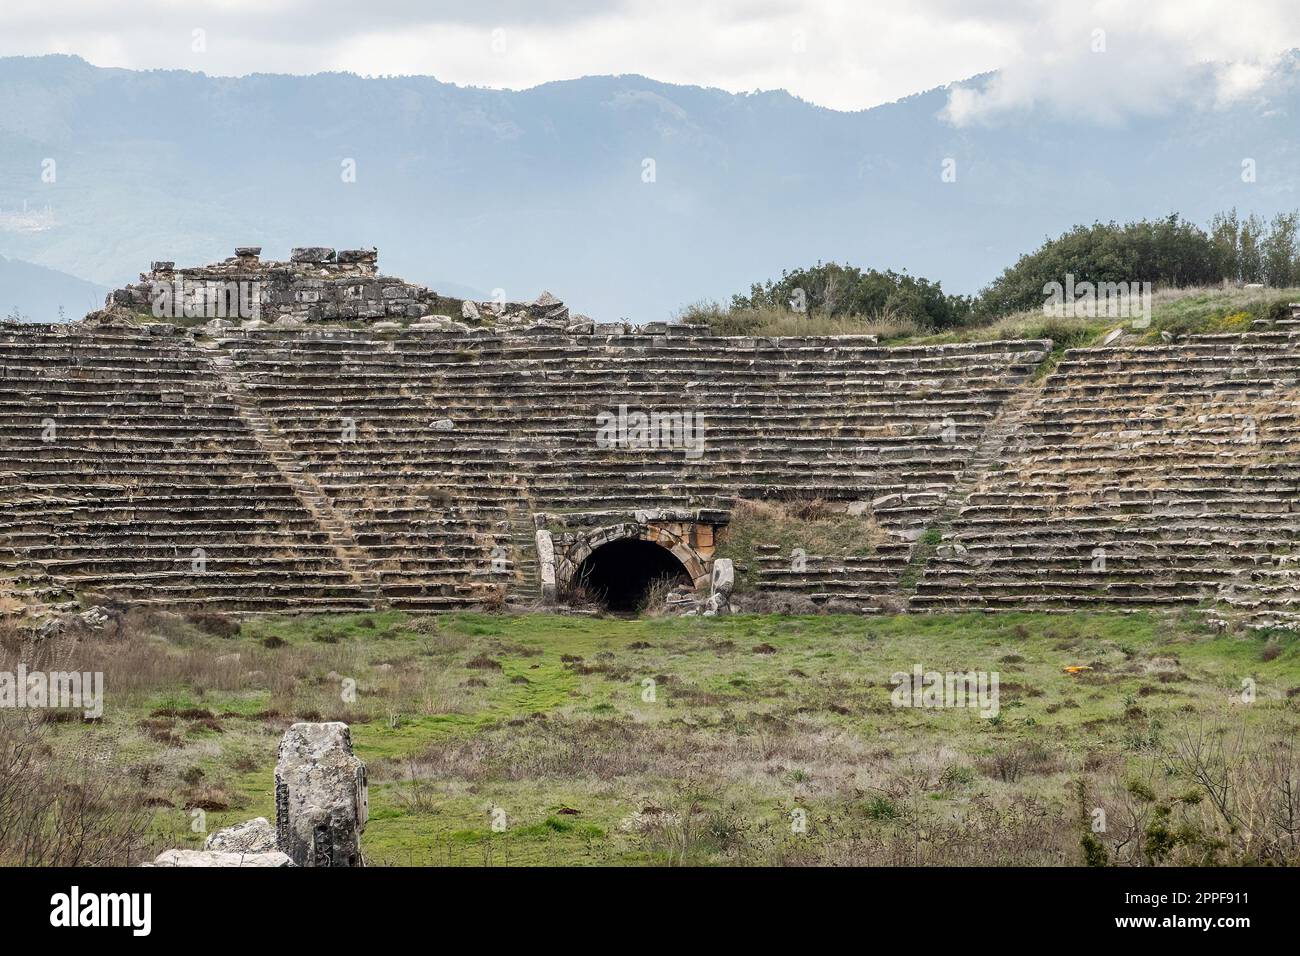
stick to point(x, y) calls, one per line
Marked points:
point(620, 574)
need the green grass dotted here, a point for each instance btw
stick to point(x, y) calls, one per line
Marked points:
point(925, 548)
point(561, 736)
point(1209, 311)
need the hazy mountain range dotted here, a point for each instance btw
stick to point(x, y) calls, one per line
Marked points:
point(34, 292)
point(470, 190)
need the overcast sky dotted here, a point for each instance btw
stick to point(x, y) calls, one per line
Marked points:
point(844, 54)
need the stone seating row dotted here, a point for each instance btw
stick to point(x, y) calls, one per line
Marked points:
point(792, 417)
point(151, 487)
point(1178, 463)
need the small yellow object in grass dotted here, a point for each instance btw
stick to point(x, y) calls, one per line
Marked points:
point(1076, 668)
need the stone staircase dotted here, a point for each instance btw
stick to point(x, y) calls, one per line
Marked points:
point(353, 558)
point(1000, 441)
point(26, 588)
point(1291, 323)
point(525, 587)
point(1148, 476)
point(131, 476)
point(484, 418)
point(867, 584)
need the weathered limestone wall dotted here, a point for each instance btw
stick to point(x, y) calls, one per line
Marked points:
point(320, 285)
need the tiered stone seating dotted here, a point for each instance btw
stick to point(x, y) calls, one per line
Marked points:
point(1136, 476)
point(865, 583)
point(121, 457)
point(455, 433)
point(1143, 476)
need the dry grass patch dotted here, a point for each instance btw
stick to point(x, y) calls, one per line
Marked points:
point(813, 525)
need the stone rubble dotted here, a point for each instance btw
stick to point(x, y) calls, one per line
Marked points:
point(318, 285)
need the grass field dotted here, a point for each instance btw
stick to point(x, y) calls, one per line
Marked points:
point(751, 739)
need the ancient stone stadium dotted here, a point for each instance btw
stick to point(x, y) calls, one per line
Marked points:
point(362, 442)
point(323, 568)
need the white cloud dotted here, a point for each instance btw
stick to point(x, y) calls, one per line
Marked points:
point(843, 54)
point(1107, 61)
point(1237, 81)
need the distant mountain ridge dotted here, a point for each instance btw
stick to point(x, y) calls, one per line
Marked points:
point(624, 196)
point(44, 295)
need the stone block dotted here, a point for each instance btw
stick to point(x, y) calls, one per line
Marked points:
point(220, 859)
point(321, 800)
point(546, 565)
point(358, 255)
point(724, 577)
point(252, 836)
point(312, 254)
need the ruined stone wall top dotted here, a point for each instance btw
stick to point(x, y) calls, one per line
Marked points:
point(318, 284)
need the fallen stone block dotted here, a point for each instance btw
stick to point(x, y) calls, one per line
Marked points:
point(214, 858)
point(252, 836)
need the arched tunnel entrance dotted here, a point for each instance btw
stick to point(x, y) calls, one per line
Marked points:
point(621, 573)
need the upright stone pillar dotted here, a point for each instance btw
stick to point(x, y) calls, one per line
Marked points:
point(722, 582)
point(546, 565)
point(321, 804)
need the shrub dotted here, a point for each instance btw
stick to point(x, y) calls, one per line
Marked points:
point(57, 813)
point(882, 808)
point(216, 624)
point(833, 290)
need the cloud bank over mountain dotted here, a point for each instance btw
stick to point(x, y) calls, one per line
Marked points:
point(842, 54)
